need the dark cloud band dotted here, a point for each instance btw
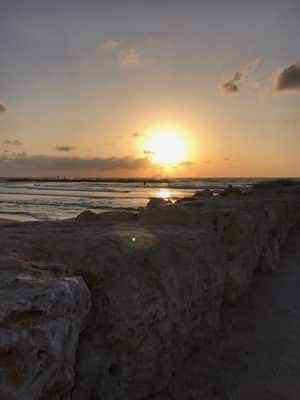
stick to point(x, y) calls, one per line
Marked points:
point(53, 164)
point(65, 148)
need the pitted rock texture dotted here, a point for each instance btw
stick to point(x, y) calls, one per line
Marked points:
point(41, 316)
point(158, 280)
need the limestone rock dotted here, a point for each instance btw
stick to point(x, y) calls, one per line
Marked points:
point(157, 285)
point(41, 316)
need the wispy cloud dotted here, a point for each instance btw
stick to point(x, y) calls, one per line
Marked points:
point(13, 142)
point(126, 53)
point(137, 134)
point(130, 56)
point(65, 148)
point(111, 44)
point(232, 85)
point(288, 79)
point(2, 108)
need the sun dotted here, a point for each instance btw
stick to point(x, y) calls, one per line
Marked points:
point(166, 147)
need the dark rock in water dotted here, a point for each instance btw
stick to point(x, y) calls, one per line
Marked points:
point(87, 216)
point(186, 200)
point(201, 194)
point(157, 202)
point(204, 193)
point(231, 191)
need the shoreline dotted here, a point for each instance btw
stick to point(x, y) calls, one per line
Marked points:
point(58, 201)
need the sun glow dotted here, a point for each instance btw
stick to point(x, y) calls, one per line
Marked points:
point(166, 147)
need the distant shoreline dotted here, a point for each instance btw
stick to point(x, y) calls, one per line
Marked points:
point(128, 180)
point(49, 199)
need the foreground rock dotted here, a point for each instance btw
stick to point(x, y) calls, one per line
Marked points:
point(246, 230)
point(157, 280)
point(41, 316)
point(159, 292)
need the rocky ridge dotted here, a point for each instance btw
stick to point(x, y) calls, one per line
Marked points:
point(157, 281)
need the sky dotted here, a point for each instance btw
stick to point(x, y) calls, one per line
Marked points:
point(85, 83)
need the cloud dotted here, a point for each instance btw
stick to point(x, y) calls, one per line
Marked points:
point(137, 134)
point(232, 85)
point(2, 108)
point(58, 165)
point(288, 79)
point(13, 143)
point(65, 148)
point(111, 44)
point(148, 152)
point(227, 159)
point(251, 66)
point(126, 53)
point(129, 56)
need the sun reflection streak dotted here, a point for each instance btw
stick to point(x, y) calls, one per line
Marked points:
point(164, 193)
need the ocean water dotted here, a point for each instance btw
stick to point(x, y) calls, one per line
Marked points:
point(52, 200)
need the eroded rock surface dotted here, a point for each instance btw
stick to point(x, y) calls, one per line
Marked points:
point(157, 280)
point(41, 316)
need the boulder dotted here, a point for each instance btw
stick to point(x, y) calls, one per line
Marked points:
point(41, 317)
point(204, 193)
point(157, 202)
point(231, 191)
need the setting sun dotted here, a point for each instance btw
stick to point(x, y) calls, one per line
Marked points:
point(166, 147)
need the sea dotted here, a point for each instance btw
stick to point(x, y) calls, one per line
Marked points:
point(57, 199)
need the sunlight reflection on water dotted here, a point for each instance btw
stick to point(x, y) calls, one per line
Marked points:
point(164, 193)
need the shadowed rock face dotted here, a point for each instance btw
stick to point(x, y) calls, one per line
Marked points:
point(149, 296)
point(41, 316)
point(157, 282)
